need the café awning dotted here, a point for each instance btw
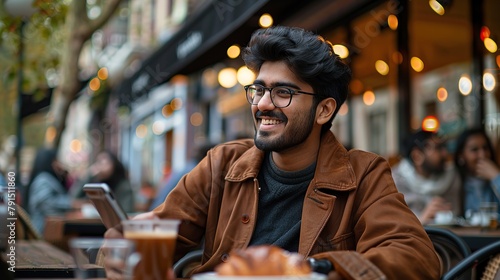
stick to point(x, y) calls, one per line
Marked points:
point(186, 51)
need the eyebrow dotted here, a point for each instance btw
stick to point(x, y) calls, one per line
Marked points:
point(278, 84)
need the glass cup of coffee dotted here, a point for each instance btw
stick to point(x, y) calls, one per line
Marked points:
point(155, 242)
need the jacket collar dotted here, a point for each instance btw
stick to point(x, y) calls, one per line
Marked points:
point(333, 169)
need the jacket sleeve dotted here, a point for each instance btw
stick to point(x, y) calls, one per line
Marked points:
point(191, 197)
point(387, 233)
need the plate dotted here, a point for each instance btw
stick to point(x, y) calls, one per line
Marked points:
point(214, 276)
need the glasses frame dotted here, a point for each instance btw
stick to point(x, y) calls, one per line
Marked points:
point(270, 89)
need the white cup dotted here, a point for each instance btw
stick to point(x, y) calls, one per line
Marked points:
point(89, 211)
point(444, 217)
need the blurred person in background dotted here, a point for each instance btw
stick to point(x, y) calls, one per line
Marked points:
point(427, 178)
point(46, 193)
point(109, 170)
point(478, 169)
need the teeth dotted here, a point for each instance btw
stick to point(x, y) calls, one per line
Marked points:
point(269, 122)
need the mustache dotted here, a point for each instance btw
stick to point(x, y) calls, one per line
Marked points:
point(271, 114)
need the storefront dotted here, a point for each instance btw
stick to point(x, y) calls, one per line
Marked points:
point(409, 63)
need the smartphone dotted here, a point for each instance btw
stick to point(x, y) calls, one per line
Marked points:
point(104, 201)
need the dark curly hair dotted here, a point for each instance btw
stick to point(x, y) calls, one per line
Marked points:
point(308, 55)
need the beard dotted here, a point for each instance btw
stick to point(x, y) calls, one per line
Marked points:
point(293, 135)
point(434, 169)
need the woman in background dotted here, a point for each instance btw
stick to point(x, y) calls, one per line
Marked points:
point(46, 193)
point(475, 161)
point(108, 169)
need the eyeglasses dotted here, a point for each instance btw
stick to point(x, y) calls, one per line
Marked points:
point(280, 96)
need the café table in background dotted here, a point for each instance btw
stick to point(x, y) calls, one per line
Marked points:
point(477, 237)
point(60, 229)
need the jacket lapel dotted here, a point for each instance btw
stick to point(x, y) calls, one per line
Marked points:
point(333, 173)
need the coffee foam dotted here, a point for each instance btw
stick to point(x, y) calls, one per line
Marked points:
point(149, 234)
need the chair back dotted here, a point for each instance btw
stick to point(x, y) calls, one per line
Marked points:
point(24, 228)
point(487, 253)
point(450, 247)
point(492, 270)
point(183, 266)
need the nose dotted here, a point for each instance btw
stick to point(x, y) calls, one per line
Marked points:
point(265, 103)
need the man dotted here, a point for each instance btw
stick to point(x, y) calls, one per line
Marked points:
point(295, 185)
point(428, 182)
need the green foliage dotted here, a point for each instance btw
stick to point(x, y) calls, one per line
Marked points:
point(43, 35)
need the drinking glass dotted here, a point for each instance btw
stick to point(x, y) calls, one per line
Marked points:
point(489, 215)
point(99, 258)
point(155, 242)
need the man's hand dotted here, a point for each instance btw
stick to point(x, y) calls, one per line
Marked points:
point(117, 231)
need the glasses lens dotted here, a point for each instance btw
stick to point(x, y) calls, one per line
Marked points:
point(281, 96)
point(254, 93)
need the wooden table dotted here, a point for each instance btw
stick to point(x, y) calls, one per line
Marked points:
point(476, 237)
point(60, 229)
point(40, 259)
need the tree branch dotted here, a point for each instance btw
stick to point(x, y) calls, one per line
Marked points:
point(107, 11)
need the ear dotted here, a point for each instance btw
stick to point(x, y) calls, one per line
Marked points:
point(325, 109)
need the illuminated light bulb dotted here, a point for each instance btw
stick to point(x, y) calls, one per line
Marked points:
point(417, 64)
point(341, 50)
point(430, 123)
point(465, 85)
point(392, 21)
point(75, 146)
point(397, 57)
point(245, 76)
point(227, 77)
point(141, 131)
point(498, 60)
point(233, 51)
point(102, 73)
point(490, 45)
point(265, 20)
point(344, 109)
point(489, 82)
point(176, 103)
point(157, 128)
point(369, 97)
point(196, 119)
point(356, 86)
point(442, 94)
point(484, 33)
point(167, 110)
point(382, 67)
point(94, 84)
point(436, 7)
point(209, 76)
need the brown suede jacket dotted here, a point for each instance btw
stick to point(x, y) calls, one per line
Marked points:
point(352, 212)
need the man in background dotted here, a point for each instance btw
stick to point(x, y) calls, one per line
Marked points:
point(426, 177)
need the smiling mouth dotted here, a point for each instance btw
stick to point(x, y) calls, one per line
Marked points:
point(270, 122)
